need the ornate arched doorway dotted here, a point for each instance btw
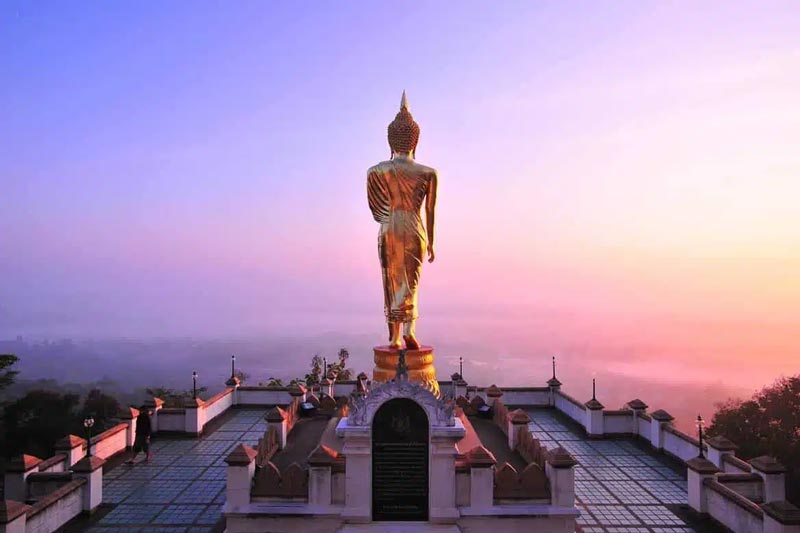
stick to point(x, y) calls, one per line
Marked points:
point(400, 461)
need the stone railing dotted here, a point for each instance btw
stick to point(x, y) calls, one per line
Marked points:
point(69, 451)
point(530, 484)
point(56, 508)
point(527, 396)
point(570, 407)
point(53, 464)
point(172, 420)
point(247, 395)
point(743, 502)
point(219, 403)
point(731, 509)
point(530, 448)
point(751, 486)
point(40, 484)
point(500, 414)
point(262, 395)
point(193, 416)
point(632, 420)
point(54, 498)
point(327, 405)
point(618, 422)
point(679, 444)
point(732, 464)
point(268, 446)
point(110, 442)
point(272, 482)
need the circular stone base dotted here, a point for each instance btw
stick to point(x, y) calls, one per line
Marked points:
point(419, 363)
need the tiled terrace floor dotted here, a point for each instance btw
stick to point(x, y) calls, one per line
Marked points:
point(183, 488)
point(619, 486)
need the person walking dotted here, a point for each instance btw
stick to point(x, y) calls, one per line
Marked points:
point(143, 430)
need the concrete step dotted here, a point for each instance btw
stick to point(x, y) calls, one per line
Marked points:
point(399, 527)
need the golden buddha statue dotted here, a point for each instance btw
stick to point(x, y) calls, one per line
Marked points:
point(396, 190)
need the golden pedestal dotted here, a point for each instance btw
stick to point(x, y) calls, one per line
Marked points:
point(419, 363)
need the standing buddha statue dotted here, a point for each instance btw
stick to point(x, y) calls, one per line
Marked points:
point(396, 191)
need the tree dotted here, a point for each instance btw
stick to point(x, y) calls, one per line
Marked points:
point(315, 376)
point(241, 375)
point(766, 424)
point(102, 407)
point(297, 381)
point(274, 382)
point(36, 421)
point(342, 373)
point(7, 376)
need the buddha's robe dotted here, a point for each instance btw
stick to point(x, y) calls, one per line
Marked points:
point(396, 193)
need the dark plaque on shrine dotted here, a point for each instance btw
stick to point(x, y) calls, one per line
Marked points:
point(400, 461)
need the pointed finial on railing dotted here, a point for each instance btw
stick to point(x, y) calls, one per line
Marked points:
point(700, 423)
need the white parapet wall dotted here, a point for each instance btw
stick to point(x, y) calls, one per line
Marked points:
point(643, 424)
point(263, 396)
point(679, 444)
point(570, 407)
point(57, 508)
point(527, 396)
point(110, 442)
point(618, 422)
point(172, 419)
point(218, 404)
point(733, 510)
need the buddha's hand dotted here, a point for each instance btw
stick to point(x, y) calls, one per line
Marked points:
point(431, 254)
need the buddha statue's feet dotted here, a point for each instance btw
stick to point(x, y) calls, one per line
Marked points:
point(396, 345)
point(411, 342)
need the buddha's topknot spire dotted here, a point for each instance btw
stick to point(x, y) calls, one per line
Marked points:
point(403, 131)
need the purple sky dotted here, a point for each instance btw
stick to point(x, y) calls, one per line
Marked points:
point(198, 168)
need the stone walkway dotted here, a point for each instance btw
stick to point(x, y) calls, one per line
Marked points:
point(620, 487)
point(183, 488)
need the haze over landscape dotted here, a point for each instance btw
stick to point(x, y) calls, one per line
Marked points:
point(618, 187)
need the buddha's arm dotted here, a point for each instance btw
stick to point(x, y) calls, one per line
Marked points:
point(377, 196)
point(430, 208)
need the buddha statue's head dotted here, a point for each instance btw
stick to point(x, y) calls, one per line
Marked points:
point(403, 131)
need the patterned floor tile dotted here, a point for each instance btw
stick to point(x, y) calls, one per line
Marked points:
point(210, 515)
point(613, 515)
point(607, 474)
point(214, 472)
point(233, 436)
point(203, 491)
point(179, 514)
point(180, 472)
point(620, 486)
point(132, 514)
point(629, 493)
point(157, 491)
point(198, 460)
point(665, 491)
point(117, 490)
point(592, 492)
point(657, 515)
point(214, 447)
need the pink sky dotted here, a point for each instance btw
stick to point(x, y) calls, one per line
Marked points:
point(611, 178)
